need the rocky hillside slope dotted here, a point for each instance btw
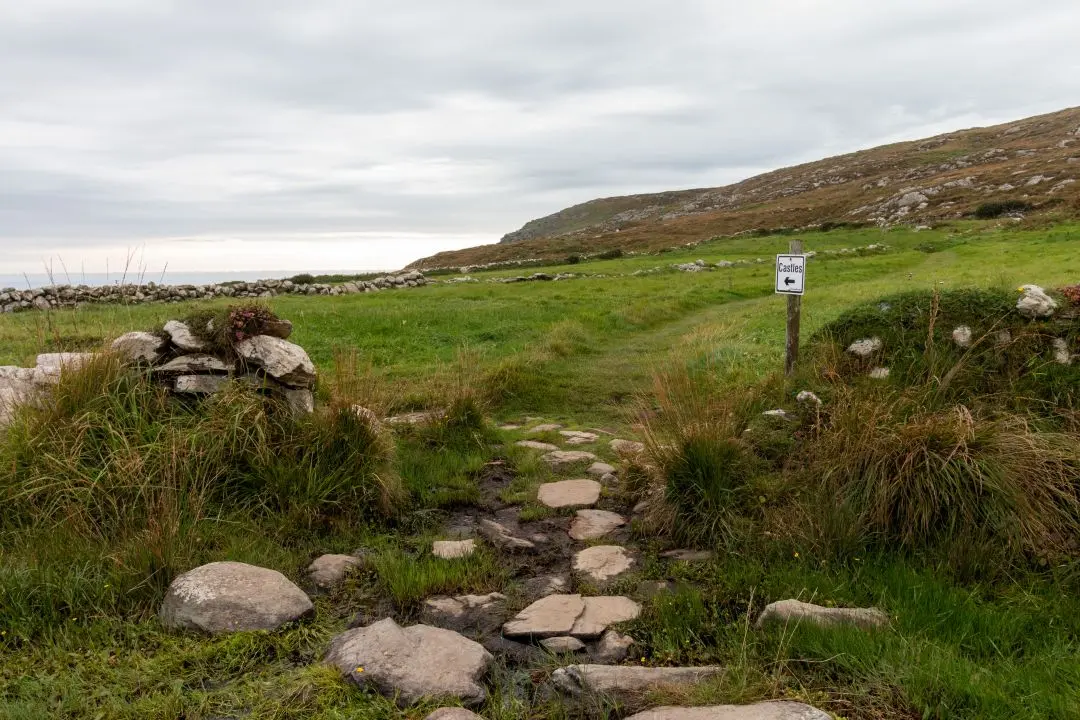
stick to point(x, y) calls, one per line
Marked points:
point(1035, 161)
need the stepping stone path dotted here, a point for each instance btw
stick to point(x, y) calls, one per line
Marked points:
point(330, 570)
point(795, 611)
point(627, 447)
point(571, 615)
point(602, 562)
point(592, 524)
point(579, 437)
point(501, 536)
point(599, 469)
point(564, 459)
point(550, 427)
point(569, 493)
point(577, 680)
point(544, 585)
point(453, 549)
point(230, 597)
point(684, 555)
point(465, 613)
point(781, 710)
point(412, 663)
point(536, 445)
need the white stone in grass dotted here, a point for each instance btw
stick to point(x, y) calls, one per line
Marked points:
point(1002, 338)
point(182, 337)
point(549, 427)
point(796, 611)
point(962, 336)
point(578, 437)
point(627, 447)
point(536, 445)
point(231, 597)
point(453, 713)
point(773, 710)
point(1062, 356)
point(865, 347)
point(453, 549)
point(805, 396)
point(413, 663)
point(592, 524)
point(562, 459)
point(777, 413)
point(1035, 303)
point(602, 562)
point(569, 493)
point(879, 373)
point(282, 360)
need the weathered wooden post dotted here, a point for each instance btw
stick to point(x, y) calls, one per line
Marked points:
point(791, 281)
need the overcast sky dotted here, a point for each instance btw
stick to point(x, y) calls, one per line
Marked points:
point(356, 134)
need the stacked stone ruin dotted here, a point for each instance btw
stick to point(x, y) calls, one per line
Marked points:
point(57, 296)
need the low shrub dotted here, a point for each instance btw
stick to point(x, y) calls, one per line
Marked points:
point(613, 254)
point(572, 259)
point(998, 208)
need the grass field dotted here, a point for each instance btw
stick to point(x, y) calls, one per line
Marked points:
point(79, 638)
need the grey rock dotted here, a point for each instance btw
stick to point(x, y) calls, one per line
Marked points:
point(600, 563)
point(551, 616)
point(139, 347)
point(453, 713)
point(569, 493)
point(326, 571)
point(549, 427)
point(563, 644)
point(413, 663)
point(865, 347)
point(779, 710)
point(536, 445)
point(796, 611)
point(582, 437)
point(230, 597)
point(563, 459)
point(182, 337)
point(453, 549)
point(578, 680)
point(511, 651)
point(480, 614)
point(599, 469)
point(544, 585)
point(501, 537)
point(627, 448)
point(200, 384)
point(192, 365)
point(282, 360)
point(602, 611)
point(1034, 303)
point(612, 648)
point(686, 555)
point(592, 524)
point(300, 401)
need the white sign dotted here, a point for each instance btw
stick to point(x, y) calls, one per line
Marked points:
point(790, 274)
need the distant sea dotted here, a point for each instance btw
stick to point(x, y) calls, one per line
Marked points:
point(170, 277)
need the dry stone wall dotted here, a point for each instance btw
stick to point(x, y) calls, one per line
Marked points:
point(57, 296)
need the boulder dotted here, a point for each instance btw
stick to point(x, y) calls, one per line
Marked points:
point(139, 347)
point(481, 614)
point(300, 401)
point(577, 680)
point(277, 328)
point(562, 459)
point(592, 524)
point(230, 597)
point(563, 644)
point(612, 648)
point(53, 363)
point(779, 710)
point(627, 448)
point(192, 365)
point(501, 537)
point(551, 616)
point(602, 611)
point(182, 337)
point(282, 360)
point(600, 469)
point(568, 493)
point(1035, 303)
point(600, 563)
point(536, 445)
point(411, 664)
point(327, 571)
point(795, 611)
point(453, 549)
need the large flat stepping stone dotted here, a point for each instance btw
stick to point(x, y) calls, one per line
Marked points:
point(579, 437)
point(547, 427)
point(592, 524)
point(549, 616)
point(569, 493)
point(502, 537)
point(453, 713)
point(571, 615)
point(603, 611)
point(562, 459)
point(627, 447)
point(231, 597)
point(577, 680)
point(536, 445)
point(796, 611)
point(412, 663)
point(780, 710)
point(327, 571)
point(453, 549)
point(602, 562)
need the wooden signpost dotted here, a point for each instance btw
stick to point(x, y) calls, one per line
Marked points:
point(791, 281)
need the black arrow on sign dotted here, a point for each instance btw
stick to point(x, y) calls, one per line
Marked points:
point(789, 281)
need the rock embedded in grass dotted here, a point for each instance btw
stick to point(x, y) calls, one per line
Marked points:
point(626, 680)
point(612, 648)
point(326, 571)
point(544, 585)
point(880, 373)
point(231, 597)
point(865, 347)
point(413, 663)
point(579, 437)
point(536, 445)
point(592, 524)
point(569, 493)
point(602, 611)
point(181, 336)
point(563, 459)
point(481, 614)
point(600, 563)
point(282, 360)
point(961, 335)
point(453, 713)
point(599, 469)
point(1034, 303)
point(796, 611)
point(627, 448)
point(139, 347)
point(453, 549)
point(502, 537)
point(687, 555)
point(563, 644)
point(775, 710)
point(551, 616)
point(549, 427)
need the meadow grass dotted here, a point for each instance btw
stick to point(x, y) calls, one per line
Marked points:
point(79, 638)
